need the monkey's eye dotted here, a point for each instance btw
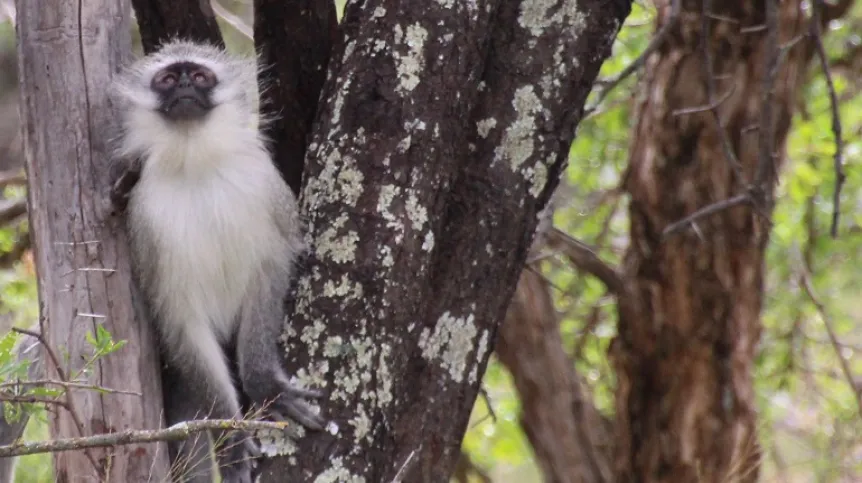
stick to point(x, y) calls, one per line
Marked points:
point(203, 78)
point(165, 79)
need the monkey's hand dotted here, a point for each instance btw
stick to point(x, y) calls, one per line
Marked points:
point(280, 399)
point(124, 178)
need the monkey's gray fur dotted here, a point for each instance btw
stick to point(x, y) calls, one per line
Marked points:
point(214, 233)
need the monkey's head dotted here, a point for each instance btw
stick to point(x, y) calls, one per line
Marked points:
point(184, 86)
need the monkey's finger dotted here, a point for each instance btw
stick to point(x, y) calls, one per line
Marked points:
point(294, 392)
point(252, 448)
point(301, 413)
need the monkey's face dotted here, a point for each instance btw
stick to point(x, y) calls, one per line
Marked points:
point(184, 90)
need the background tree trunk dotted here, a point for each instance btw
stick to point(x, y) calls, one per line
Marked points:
point(68, 52)
point(690, 318)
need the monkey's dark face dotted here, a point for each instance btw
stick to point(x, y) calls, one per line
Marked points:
point(184, 90)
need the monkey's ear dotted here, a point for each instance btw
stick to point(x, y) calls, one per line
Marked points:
point(124, 177)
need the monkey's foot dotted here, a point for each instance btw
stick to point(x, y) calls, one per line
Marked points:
point(236, 457)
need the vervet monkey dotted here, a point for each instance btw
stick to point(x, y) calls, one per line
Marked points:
point(214, 232)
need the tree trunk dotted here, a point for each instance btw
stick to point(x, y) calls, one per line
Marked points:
point(571, 439)
point(294, 38)
point(443, 130)
point(68, 52)
point(690, 317)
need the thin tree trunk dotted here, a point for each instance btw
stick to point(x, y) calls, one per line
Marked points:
point(690, 318)
point(571, 439)
point(68, 52)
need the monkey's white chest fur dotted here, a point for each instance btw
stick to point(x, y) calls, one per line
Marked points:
point(206, 236)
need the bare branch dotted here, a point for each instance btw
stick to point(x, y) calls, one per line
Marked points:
point(833, 339)
point(654, 44)
point(67, 385)
point(233, 20)
point(704, 212)
point(14, 177)
point(817, 39)
point(583, 257)
point(176, 432)
point(12, 209)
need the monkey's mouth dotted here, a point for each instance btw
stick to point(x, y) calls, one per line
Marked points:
point(186, 108)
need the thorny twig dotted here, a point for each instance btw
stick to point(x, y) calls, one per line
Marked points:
point(654, 44)
point(176, 432)
point(817, 39)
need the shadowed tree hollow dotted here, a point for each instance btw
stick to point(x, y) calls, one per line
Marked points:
point(440, 133)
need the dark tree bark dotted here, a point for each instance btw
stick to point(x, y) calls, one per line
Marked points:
point(294, 39)
point(421, 192)
point(68, 52)
point(690, 315)
point(160, 20)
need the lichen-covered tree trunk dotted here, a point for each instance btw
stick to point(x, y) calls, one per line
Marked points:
point(690, 318)
point(442, 132)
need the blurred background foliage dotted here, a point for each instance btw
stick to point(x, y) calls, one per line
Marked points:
point(810, 423)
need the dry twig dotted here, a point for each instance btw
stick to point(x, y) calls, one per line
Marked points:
point(833, 339)
point(176, 432)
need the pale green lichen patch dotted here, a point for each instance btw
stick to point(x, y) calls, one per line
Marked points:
point(480, 352)
point(341, 249)
point(310, 335)
point(384, 378)
point(345, 289)
point(333, 346)
point(539, 15)
point(517, 145)
point(274, 443)
point(417, 213)
point(537, 177)
point(451, 342)
point(361, 424)
point(428, 243)
point(337, 473)
point(410, 64)
point(484, 126)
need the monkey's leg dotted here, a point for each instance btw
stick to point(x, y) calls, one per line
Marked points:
point(199, 386)
point(259, 359)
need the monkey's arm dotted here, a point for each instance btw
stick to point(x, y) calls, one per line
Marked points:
point(124, 177)
point(259, 355)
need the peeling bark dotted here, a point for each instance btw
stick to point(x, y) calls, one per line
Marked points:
point(444, 128)
point(690, 316)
